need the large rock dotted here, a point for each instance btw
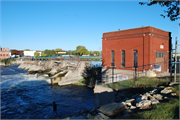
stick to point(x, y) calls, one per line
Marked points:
point(158, 96)
point(166, 91)
point(155, 102)
point(173, 83)
point(112, 108)
point(168, 88)
point(143, 104)
point(101, 116)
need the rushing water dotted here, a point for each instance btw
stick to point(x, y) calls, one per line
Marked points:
point(27, 97)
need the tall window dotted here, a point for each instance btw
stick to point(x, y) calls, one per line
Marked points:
point(112, 58)
point(135, 57)
point(123, 59)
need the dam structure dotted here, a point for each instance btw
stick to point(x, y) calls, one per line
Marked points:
point(60, 72)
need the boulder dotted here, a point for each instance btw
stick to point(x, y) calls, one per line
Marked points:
point(154, 91)
point(173, 94)
point(143, 104)
point(151, 98)
point(101, 116)
point(168, 88)
point(158, 96)
point(128, 103)
point(166, 91)
point(133, 107)
point(130, 100)
point(112, 108)
point(161, 87)
point(154, 102)
point(173, 83)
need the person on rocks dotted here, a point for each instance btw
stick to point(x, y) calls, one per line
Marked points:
point(54, 109)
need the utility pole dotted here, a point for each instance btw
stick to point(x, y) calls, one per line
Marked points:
point(99, 51)
point(175, 60)
point(170, 61)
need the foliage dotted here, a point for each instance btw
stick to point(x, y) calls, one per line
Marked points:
point(79, 47)
point(6, 61)
point(58, 49)
point(16, 52)
point(71, 52)
point(80, 82)
point(37, 54)
point(43, 55)
point(50, 52)
point(172, 8)
point(83, 51)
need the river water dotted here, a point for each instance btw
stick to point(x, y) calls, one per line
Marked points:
point(27, 97)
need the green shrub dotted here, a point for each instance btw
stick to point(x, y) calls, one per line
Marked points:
point(6, 61)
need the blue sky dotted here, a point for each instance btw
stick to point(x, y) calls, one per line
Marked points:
point(40, 25)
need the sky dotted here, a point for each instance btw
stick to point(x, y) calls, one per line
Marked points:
point(45, 24)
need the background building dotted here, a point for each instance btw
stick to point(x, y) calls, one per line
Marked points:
point(138, 46)
point(29, 53)
point(4, 53)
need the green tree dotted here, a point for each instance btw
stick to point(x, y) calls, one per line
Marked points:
point(37, 54)
point(83, 51)
point(52, 52)
point(43, 55)
point(79, 47)
point(58, 49)
point(96, 52)
point(47, 52)
point(172, 8)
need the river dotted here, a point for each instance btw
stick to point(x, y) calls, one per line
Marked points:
point(27, 97)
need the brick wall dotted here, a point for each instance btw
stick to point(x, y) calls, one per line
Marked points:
point(146, 40)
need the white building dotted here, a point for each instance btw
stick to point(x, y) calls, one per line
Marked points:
point(29, 53)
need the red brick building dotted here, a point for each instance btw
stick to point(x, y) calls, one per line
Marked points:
point(138, 46)
point(4, 53)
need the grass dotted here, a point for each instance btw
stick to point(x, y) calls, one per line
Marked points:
point(143, 84)
point(167, 109)
point(80, 82)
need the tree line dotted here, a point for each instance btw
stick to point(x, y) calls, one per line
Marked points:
point(80, 50)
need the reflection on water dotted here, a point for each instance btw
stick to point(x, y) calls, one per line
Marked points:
point(25, 96)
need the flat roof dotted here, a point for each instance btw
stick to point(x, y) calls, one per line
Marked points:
point(135, 28)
